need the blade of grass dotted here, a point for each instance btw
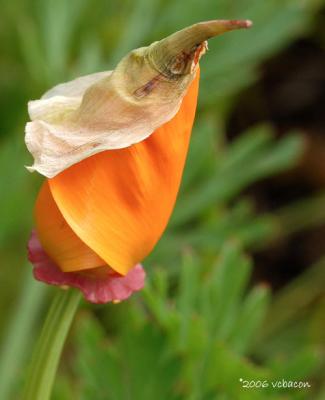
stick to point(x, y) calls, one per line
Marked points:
point(19, 334)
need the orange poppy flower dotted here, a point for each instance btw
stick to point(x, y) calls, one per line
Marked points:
point(113, 146)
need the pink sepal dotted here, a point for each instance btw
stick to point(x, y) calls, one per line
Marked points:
point(96, 289)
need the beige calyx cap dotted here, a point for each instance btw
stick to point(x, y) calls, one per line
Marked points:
point(115, 109)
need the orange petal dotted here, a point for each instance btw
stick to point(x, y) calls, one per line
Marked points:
point(118, 202)
point(59, 241)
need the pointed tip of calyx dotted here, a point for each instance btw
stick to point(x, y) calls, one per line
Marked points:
point(237, 24)
point(216, 27)
point(175, 54)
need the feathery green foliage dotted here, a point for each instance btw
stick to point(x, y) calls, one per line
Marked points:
point(202, 323)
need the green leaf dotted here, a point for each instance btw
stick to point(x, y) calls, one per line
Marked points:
point(252, 163)
point(225, 288)
point(249, 319)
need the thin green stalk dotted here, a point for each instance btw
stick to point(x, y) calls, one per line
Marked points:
point(49, 347)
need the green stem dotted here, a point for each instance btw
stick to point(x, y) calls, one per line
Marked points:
point(49, 347)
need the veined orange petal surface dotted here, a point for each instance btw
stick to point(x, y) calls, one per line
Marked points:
point(118, 202)
point(58, 240)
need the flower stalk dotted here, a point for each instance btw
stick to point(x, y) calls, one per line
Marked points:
point(48, 351)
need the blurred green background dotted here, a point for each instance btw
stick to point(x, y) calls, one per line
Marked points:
point(236, 286)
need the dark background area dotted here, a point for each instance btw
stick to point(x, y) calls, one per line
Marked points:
point(291, 95)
